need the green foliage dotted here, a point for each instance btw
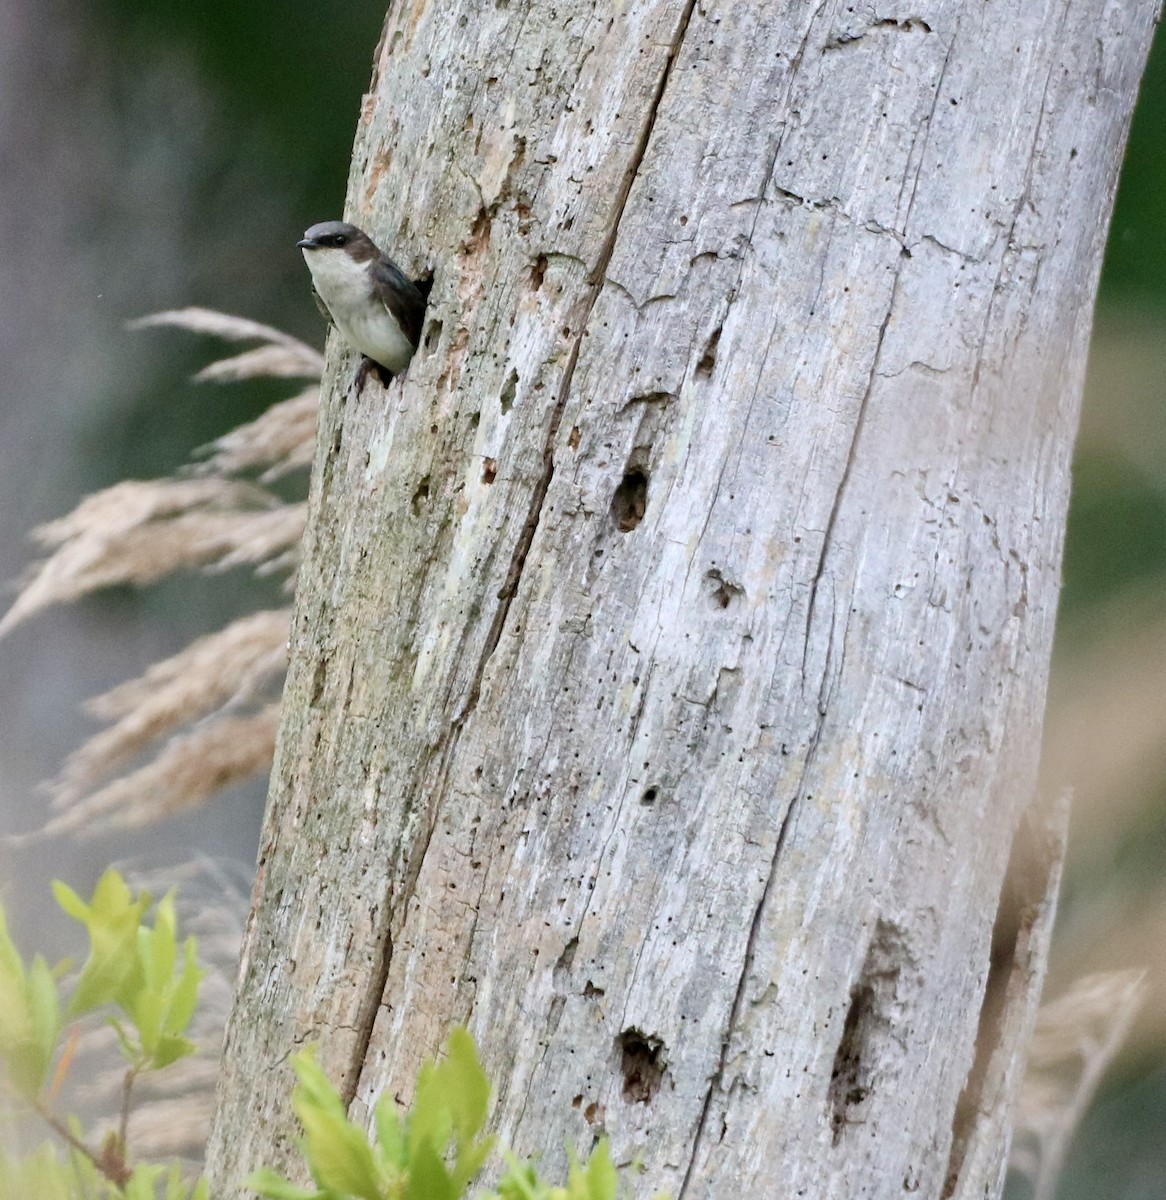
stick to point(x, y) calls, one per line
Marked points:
point(150, 983)
point(597, 1180)
point(30, 1017)
point(433, 1152)
point(134, 966)
point(44, 1175)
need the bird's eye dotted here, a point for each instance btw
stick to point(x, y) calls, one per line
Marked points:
point(339, 240)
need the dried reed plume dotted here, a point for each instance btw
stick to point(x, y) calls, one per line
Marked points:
point(1075, 1040)
point(205, 718)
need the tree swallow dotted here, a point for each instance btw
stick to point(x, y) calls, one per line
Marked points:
point(376, 307)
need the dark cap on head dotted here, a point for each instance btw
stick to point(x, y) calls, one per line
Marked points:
point(339, 235)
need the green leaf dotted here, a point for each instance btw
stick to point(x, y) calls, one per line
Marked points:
point(428, 1178)
point(520, 1181)
point(598, 1180)
point(70, 903)
point(184, 997)
point(338, 1152)
point(170, 1049)
point(145, 1010)
point(266, 1182)
point(465, 1084)
point(142, 1183)
point(163, 1006)
point(15, 1019)
point(314, 1086)
point(112, 920)
point(160, 945)
point(30, 1020)
point(390, 1136)
point(39, 1175)
point(430, 1122)
point(45, 1010)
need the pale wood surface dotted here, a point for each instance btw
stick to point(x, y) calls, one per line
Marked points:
point(737, 785)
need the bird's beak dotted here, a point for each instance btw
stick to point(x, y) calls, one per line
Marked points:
point(306, 244)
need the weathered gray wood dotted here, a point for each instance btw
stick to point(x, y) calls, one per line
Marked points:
point(670, 648)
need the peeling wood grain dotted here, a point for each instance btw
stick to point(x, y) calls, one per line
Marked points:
point(670, 649)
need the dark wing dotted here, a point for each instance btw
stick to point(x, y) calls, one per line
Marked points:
point(399, 294)
point(322, 307)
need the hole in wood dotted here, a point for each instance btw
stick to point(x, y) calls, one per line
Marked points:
point(630, 501)
point(849, 1085)
point(538, 272)
point(868, 1044)
point(722, 592)
point(708, 360)
point(479, 237)
point(420, 496)
point(506, 399)
point(650, 796)
point(424, 284)
point(642, 1064)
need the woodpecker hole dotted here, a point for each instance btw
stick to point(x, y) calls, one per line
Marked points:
point(538, 272)
point(650, 796)
point(562, 968)
point(420, 496)
point(849, 1086)
point(868, 1046)
point(630, 501)
point(424, 284)
point(489, 470)
point(708, 360)
point(319, 677)
point(506, 399)
point(651, 398)
point(642, 1064)
point(479, 237)
point(722, 592)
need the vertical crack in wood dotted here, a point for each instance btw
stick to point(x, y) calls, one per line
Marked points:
point(595, 286)
point(840, 491)
point(443, 751)
point(739, 995)
point(369, 1007)
point(750, 946)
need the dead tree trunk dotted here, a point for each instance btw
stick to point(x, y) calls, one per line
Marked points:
point(670, 646)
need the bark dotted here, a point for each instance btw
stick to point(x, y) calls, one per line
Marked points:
point(671, 644)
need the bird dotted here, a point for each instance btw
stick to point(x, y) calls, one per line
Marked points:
point(376, 307)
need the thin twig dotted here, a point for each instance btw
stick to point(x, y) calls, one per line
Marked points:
point(124, 1122)
point(113, 1168)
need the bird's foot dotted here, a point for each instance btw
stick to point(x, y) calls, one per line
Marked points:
point(369, 367)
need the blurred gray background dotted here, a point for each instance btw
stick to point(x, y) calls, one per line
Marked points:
point(154, 156)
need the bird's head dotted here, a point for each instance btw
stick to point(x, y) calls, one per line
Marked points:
point(330, 237)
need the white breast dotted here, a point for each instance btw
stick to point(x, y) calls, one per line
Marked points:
point(364, 322)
